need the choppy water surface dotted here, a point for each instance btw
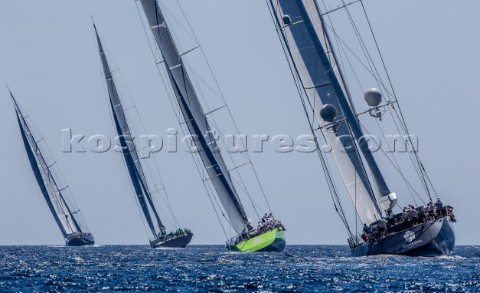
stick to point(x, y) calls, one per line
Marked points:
point(211, 268)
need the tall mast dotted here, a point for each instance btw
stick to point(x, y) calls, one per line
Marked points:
point(60, 209)
point(130, 155)
point(195, 117)
point(303, 33)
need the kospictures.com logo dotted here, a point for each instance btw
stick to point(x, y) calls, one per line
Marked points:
point(173, 142)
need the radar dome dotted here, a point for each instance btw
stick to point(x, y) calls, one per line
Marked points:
point(287, 20)
point(328, 113)
point(373, 97)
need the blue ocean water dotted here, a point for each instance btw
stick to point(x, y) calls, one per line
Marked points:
point(211, 268)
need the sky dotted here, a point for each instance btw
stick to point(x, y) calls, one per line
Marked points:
point(49, 59)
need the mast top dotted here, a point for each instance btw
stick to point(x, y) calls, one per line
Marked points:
point(17, 108)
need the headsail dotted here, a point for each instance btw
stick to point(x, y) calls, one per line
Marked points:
point(195, 118)
point(306, 39)
point(66, 215)
point(130, 154)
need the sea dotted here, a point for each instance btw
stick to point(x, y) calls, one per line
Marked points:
point(213, 269)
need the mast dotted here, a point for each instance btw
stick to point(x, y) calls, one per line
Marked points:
point(195, 118)
point(302, 30)
point(130, 155)
point(60, 209)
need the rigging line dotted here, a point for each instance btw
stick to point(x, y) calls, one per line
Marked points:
point(158, 173)
point(413, 157)
point(367, 179)
point(54, 173)
point(177, 114)
point(394, 92)
point(365, 51)
point(410, 155)
point(398, 128)
point(332, 56)
point(364, 48)
point(378, 49)
point(301, 90)
point(409, 186)
point(370, 60)
point(342, 63)
point(223, 98)
point(396, 168)
point(243, 187)
point(359, 60)
point(340, 7)
point(51, 182)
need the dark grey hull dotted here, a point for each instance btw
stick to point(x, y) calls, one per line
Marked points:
point(431, 239)
point(81, 241)
point(175, 242)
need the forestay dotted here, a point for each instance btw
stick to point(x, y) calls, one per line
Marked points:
point(195, 118)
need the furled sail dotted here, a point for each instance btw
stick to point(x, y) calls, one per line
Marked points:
point(130, 154)
point(195, 118)
point(66, 215)
point(303, 32)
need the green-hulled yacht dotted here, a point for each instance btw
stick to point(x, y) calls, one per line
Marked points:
point(270, 234)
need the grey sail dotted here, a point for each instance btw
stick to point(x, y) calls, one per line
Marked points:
point(307, 42)
point(195, 118)
point(66, 215)
point(129, 152)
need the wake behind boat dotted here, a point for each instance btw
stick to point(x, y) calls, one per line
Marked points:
point(58, 198)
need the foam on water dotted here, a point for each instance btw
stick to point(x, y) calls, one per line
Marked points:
point(211, 268)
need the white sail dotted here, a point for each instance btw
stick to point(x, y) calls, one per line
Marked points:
point(307, 42)
point(65, 213)
point(195, 118)
point(132, 160)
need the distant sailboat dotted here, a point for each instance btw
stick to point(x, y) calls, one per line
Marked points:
point(417, 231)
point(270, 235)
point(161, 239)
point(66, 214)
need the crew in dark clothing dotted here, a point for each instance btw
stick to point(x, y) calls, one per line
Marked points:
point(366, 232)
point(414, 216)
point(382, 227)
point(439, 207)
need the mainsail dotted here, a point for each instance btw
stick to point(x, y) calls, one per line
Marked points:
point(302, 29)
point(66, 215)
point(195, 118)
point(129, 152)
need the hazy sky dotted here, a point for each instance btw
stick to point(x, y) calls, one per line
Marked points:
point(49, 58)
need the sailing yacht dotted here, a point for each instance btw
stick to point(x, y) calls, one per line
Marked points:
point(62, 206)
point(270, 234)
point(161, 239)
point(423, 230)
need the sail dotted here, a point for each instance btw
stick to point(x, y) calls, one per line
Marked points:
point(64, 214)
point(130, 155)
point(195, 118)
point(304, 35)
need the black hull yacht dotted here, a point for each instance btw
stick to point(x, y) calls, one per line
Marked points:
point(173, 241)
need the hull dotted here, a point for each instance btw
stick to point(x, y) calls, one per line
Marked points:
point(430, 239)
point(174, 242)
point(81, 240)
point(271, 241)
